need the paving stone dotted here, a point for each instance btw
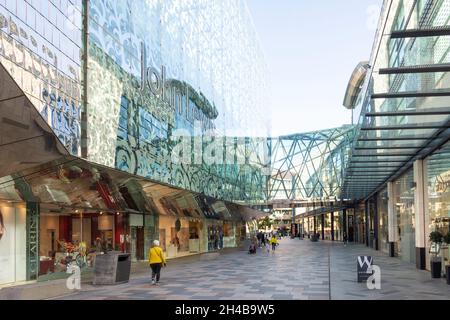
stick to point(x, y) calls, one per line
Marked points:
point(298, 270)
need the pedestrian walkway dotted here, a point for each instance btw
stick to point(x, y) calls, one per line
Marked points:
point(299, 269)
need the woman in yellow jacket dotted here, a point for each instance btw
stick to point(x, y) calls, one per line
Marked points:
point(156, 260)
point(274, 243)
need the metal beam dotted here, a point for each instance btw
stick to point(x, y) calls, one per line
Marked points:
point(430, 112)
point(411, 94)
point(384, 155)
point(405, 127)
point(382, 170)
point(374, 167)
point(405, 138)
point(380, 161)
point(387, 148)
point(422, 32)
point(368, 173)
point(429, 68)
point(351, 175)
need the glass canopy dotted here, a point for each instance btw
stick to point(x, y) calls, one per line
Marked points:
point(405, 110)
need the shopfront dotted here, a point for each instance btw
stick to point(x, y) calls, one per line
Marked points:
point(13, 238)
point(351, 234)
point(438, 218)
point(383, 231)
point(327, 226)
point(180, 236)
point(81, 235)
point(360, 224)
point(405, 217)
point(337, 225)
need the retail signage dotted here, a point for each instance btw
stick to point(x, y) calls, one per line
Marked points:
point(177, 94)
point(442, 182)
point(363, 265)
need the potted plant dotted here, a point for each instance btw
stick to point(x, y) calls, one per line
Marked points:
point(436, 263)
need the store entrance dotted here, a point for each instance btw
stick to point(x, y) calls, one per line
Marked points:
point(140, 243)
point(137, 243)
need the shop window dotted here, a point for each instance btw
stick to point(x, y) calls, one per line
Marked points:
point(12, 243)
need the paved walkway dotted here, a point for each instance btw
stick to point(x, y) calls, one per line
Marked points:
point(299, 269)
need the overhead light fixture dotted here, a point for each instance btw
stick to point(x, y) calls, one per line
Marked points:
point(76, 211)
point(101, 212)
point(118, 213)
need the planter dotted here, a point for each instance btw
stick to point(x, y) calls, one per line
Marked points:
point(436, 268)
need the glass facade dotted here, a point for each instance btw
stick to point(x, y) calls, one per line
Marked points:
point(438, 218)
point(309, 165)
point(405, 217)
point(140, 86)
point(383, 231)
point(398, 93)
point(40, 46)
point(177, 78)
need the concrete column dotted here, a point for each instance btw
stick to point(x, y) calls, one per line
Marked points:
point(392, 219)
point(375, 223)
point(293, 224)
point(344, 222)
point(420, 206)
point(322, 217)
point(303, 226)
point(332, 226)
point(367, 224)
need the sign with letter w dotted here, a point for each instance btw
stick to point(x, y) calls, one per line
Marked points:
point(363, 264)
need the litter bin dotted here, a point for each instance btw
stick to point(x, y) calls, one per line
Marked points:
point(112, 268)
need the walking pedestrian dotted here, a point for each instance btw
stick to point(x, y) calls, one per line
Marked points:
point(157, 261)
point(252, 248)
point(274, 243)
point(267, 246)
point(221, 239)
point(345, 238)
point(259, 237)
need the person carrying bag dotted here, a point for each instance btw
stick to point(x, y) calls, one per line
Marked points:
point(157, 261)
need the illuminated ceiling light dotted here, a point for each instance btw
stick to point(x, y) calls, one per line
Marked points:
point(118, 213)
point(101, 212)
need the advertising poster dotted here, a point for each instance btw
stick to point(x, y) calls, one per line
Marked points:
point(12, 244)
point(7, 221)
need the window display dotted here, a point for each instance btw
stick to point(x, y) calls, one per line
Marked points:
point(214, 237)
point(438, 218)
point(404, 200)
point(72, 237)
point(12, 243)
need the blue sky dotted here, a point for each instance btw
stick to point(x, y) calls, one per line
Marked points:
point(311, 49)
